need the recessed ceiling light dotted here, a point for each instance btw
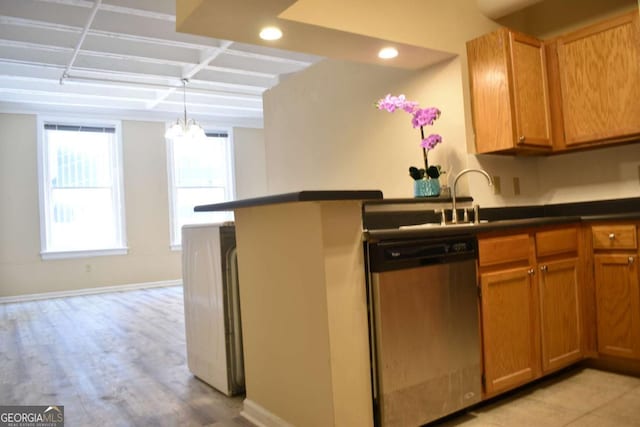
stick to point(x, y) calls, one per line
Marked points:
point(388, 53)
point(270, 33)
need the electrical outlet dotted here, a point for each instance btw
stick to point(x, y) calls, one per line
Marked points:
point(638, 174)
point(87, 268)
point(516, 186)
point(496, 185)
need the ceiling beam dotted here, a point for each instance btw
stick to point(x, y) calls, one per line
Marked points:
point(205, 58)
point(24, 92)
point(128, 57)
point(83, 34)
point(116, 9)
point(30, 23)
point(111, 84)
point(191, 70)
point(135, 79)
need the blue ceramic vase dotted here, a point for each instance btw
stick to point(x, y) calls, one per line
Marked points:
point(426, 187)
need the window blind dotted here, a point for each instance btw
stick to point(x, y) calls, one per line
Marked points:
point(77, 128)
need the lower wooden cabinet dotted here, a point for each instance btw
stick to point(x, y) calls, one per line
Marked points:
point(530, 305)
point(617, 304)
point(560, 313)
point(550, 296)
point(509, 330)
point(617, 288)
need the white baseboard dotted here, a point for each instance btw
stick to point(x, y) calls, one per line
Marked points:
point(88, 291)
point(260, 416)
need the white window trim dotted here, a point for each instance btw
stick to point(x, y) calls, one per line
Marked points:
point(43, 195)
point(82, 254)
point(171, 177)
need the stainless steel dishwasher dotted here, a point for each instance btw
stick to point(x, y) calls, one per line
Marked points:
point(424, 329)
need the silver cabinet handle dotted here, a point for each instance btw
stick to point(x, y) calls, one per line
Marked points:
point(612, 236)
point(631, 260)
point(521, 139)
point(544, 268)
point(531, 272)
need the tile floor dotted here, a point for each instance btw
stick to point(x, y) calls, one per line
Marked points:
point(576, 398)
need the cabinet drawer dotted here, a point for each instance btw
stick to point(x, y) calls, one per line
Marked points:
point(553, 242)
point(500, 250)
point(614, 236)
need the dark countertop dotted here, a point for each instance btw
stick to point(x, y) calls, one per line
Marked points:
point(419, 231)
point(299, 196)
point(418, 200)
point(384, 226)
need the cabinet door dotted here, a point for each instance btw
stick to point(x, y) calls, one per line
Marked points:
point(617, 305)
point(600, 81)
point(530, 92)
point(509, 94)
point(560, 313)
point(490, 92)
point(509, 326)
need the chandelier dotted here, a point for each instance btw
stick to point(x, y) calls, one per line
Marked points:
point(183, 127)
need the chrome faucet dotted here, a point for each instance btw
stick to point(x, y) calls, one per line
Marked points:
point(454, 213)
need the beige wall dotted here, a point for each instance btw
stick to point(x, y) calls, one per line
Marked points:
point(440, 25)
point(145, 181)
point(609, 173)
point(321, 130)
point(337, 139)
point(304, 317)
point(249, 162)
point(146, 207)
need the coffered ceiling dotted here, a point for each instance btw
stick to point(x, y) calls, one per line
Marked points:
point(124, 58)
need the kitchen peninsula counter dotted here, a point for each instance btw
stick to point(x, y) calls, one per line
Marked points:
point(304, 308)
point(299, 196)
point(303, 292)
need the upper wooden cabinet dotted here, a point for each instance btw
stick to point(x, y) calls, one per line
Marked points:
point(599, 77)
point(576, 91)
point(509, 92)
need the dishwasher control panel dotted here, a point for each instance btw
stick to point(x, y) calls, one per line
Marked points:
point(393, 255)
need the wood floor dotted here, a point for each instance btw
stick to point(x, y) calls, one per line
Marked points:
point(119, 359)
point(113, 359)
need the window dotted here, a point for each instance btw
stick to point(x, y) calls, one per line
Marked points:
point(200, 173)
point(81, 208)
